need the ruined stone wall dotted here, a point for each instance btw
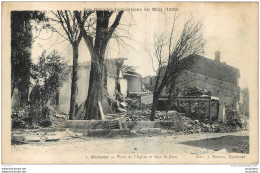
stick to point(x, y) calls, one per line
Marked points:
point(228, 93)
point(134, 84)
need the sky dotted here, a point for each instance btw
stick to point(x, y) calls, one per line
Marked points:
point(228, 28)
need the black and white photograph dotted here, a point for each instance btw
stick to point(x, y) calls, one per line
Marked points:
point(130, 83)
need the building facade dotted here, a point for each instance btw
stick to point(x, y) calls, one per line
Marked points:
point(215, 76)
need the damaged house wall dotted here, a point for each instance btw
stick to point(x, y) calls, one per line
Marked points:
point(214, 76)
point(211, 75)
point(134, 82)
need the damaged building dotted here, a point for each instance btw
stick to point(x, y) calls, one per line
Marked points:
point(213, 76)
point(134, 81)
point(116, 81)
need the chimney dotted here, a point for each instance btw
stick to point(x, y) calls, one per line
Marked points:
point(217, 56)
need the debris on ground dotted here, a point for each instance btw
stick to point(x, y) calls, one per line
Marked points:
point(180, 122)
point(195, 91)
point(242, 148)
point(236, 119)
point(129, 109)
point(138, 115)
point(195, 126)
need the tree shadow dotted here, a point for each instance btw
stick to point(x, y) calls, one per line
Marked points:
point(216, 144)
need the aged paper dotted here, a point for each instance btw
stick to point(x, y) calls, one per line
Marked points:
point(229, 27)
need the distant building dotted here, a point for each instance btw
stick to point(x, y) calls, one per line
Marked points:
point(149, 82)
point(134, 81)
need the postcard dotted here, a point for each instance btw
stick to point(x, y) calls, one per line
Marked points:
point(130, 83)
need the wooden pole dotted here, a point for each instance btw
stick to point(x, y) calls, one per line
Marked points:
point(101, 111)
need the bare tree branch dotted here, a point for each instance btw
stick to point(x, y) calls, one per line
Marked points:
point(88, 39)
point(190, 42)
point(115, 24)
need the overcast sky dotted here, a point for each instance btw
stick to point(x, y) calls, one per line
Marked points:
point(232, 31)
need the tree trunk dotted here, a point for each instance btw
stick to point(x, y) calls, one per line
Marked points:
point(154, 106)
point(25, 91)
point(24, 97)
point(170, 98)
point(95, 90)
point(97, 52)
point(74, 82)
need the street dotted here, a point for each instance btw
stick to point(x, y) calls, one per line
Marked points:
point(200, 143)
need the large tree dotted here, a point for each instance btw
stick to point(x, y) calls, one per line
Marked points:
point(21, 43)
point(97, 42)
point(70, 25)
point(172, 63)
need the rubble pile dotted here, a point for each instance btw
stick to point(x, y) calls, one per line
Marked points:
point(236, 119)
point(138, 115)
point(197, 92)
point(195, 126)
point(189, 125)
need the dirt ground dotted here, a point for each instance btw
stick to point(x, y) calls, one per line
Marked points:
point(202, 143)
